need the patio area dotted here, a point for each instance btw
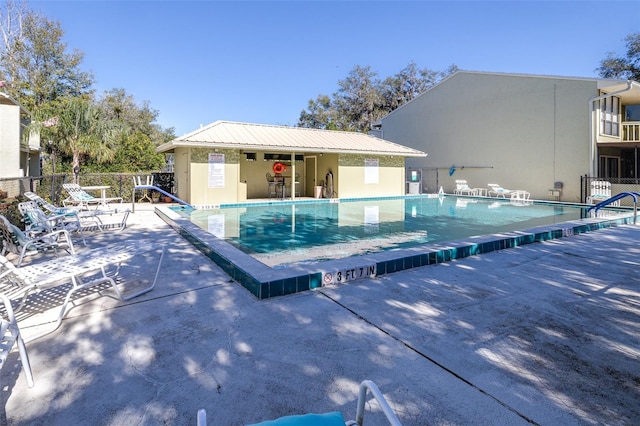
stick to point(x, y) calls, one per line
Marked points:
point(547, 333)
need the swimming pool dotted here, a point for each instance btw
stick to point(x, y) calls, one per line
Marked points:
point(283, 247)
point(281, 235)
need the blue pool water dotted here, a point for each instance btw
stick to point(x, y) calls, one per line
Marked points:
point(286, 233)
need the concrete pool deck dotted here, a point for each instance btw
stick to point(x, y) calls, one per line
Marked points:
point(547, 333)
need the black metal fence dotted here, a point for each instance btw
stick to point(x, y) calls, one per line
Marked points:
point(50, 187)
point(618, 185)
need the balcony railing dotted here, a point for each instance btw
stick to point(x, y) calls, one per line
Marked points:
point(631, 131)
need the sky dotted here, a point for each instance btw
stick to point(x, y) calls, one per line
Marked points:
point(197, 62)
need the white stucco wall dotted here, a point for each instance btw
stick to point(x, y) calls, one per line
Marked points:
point(10, 141)
point(526, 132)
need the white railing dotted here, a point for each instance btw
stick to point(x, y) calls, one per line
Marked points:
point(631, 131)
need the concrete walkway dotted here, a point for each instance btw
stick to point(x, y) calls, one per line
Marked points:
point(546, 333)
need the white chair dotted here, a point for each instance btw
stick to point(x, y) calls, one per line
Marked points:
point(22, 244)
point(9, 336)
point(45, 205)
point(84, 216)
point(37, 221)
point(79, 197)
point(497, 190)
point(463, 188)
point(520, 195)
point(82, 271)
point(334, 418)
point(600, 190)
point(139, 182)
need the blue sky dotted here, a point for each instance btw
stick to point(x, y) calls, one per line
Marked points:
point(201, 61)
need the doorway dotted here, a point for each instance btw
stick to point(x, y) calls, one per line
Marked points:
point(609, 167)
point(310, 176)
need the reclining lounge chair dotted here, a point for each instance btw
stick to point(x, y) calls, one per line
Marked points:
point(37, 221)
point(84, 216)
point(81, 271)
point(79, 197)
point(24, 243)
point(462, 188)
point(9, 336)
point(329, 419)
point(498, 191)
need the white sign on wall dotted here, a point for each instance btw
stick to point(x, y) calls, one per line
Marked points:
point(371, 170)
point(216, 170)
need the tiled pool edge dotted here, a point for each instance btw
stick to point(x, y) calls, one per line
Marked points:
point(264, 282)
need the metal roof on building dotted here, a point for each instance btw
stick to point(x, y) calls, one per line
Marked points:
point(228, 134)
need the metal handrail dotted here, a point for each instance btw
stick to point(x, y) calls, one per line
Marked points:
point(162, 191)
point(617, 197)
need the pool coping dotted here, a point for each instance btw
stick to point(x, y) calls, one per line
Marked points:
point(265, 282)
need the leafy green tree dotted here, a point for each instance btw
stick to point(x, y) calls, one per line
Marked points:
point(79, 131)
point(320, 114)
point(358, 101)
point(626, 67)
point(136, 153)
point(409, 83)
point(121, 107)
point(354, 107)
point(362, 98)
point(34, 60)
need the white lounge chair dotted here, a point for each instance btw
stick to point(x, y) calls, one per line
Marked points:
point(462, 188)
point(520, 195)
point(79, 197)
point(9, 336)
point(81, 271)
point(37, 221)
point(50, 208)
point(90, 219)
point(24, 243)
point(329, 419)
point(498, 191)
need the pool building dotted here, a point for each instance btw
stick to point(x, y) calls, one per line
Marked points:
point(229, 162)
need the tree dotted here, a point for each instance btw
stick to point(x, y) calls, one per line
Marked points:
point(627, 67)
point(354, 107)
point(34, 59)
point(409, 83)
point(358, 101)
point(78, 130)
point(320, 114)
point(121, 107)
point(136, 152)
point(48, 80)
point(362, 98)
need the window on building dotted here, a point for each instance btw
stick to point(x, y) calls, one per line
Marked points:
point(632, 113)
point(610, 116)
point(281, 157)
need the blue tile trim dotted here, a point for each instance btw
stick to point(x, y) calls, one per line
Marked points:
point(264, 282)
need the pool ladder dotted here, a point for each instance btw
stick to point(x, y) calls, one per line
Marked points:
point(617, 197)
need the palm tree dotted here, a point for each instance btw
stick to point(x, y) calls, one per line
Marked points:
point(77, 129)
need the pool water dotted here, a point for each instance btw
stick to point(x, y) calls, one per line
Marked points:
point(289, 233)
